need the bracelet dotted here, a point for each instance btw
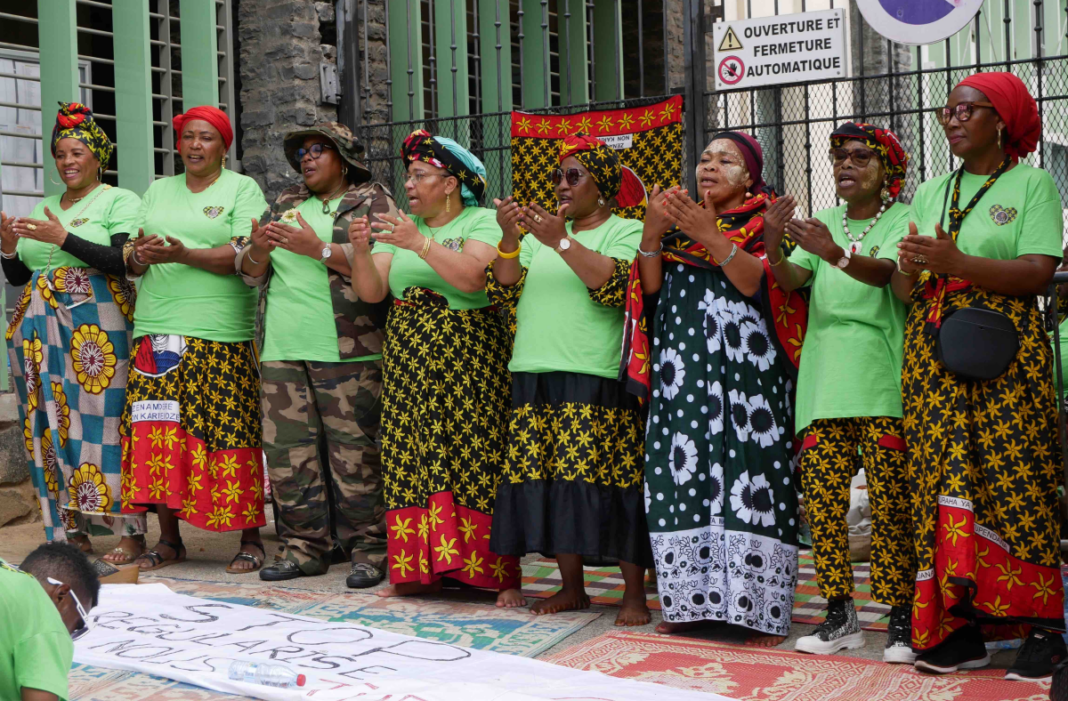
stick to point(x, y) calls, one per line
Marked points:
point(250, 258)
point(135, 259)
point(728, 259)
point(782, 259)
point(509, 256)
point(5, 256)
point(426, 248)
point(654, 254)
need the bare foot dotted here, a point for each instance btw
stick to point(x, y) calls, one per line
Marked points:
point(665, 628)
point(82, 541)
point(410, 589)
point(128, 550)
point(633, 612)
point(564, 600)
point(511, 599)
point(760, 640)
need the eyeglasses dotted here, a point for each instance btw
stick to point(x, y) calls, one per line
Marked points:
point(573, 175)
point(420, 177)
point(83, 626)
point(962, 111)
point(316, 150)
point(860, 156)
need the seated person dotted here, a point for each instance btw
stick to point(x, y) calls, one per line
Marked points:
point(42, 610)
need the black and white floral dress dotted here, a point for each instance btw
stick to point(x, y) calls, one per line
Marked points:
point(720, 493)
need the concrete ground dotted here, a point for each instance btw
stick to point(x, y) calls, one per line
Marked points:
point(209, 553)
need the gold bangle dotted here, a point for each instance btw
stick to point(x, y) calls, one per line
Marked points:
point(509, 256)
point(782, 259)
point(426, 248)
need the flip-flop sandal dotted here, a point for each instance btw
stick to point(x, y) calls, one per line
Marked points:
point(243, 556)
point(127, 557)
point(158, 561)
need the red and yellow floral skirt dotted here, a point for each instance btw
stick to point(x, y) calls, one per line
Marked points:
point(191, 432)
point(446, 397)
point(984, 466)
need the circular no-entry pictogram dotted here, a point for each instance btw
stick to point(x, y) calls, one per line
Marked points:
point(731, 70)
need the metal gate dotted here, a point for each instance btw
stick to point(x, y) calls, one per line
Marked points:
point(793, 123)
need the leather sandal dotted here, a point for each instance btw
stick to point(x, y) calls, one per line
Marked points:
point(243, 556)
point(157, 559)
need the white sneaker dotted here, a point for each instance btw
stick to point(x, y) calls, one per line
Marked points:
point(841, 631)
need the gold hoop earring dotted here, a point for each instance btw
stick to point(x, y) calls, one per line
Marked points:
point(54, 181)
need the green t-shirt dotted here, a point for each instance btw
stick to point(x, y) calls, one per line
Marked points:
point(187, 301)
point(35, 647)
point(851, 361)
point(102, 215)
point(1020, 215)
point(409, 270)
point(299, 323)
point(1063, 331)
point(558, 327)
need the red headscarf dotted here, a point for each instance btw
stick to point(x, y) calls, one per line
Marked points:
point(213, 116)
point(1016, 108)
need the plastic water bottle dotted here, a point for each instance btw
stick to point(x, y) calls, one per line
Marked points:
point(276, 675)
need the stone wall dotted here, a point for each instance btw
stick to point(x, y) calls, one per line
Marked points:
point(18, 502)
point(281, 47)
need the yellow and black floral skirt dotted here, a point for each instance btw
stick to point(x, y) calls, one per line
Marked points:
point(444, 416)
point(984, 469)
point(191, 432)
point(574, 474)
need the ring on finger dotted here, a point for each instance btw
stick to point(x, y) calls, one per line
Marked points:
point(920, 260)
point(537, 218)
point(31, 227)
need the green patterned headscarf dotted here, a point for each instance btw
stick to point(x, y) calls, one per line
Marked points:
point(75, 121)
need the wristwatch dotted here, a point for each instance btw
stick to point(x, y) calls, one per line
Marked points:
point(844, 260)
point(327, 251)
point(565, 243)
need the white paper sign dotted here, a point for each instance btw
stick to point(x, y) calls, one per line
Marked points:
point(783, 49)
point(148, 628)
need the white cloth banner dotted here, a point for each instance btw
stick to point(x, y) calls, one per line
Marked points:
point(148, 628)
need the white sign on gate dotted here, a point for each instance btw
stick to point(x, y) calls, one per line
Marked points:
point(783, 49)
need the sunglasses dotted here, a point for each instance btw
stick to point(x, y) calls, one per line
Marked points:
point(573, 175)
point(83, 625)
point(860, 157)
point(316, 150)
point(962, 111)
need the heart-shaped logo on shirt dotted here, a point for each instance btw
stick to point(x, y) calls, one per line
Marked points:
point(74, 223)
point(213, 212)
point(1002, 216)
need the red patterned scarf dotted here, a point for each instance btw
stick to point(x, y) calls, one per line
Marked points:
point(785, 312)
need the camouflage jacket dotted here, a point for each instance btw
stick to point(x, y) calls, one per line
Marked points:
point(359, 324)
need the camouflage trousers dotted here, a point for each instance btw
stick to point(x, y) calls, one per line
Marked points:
point(305, 402)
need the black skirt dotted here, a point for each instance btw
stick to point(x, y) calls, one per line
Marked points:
point(574, 478)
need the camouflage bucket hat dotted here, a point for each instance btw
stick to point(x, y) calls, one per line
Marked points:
point(348, 146)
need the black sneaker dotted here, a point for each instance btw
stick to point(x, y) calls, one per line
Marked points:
point(364, 575)
point(963, 649)
point(841, 631)
point(281, 571)
point(899, 637)
point(1040, 653)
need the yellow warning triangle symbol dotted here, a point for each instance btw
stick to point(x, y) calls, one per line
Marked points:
point(730, 41)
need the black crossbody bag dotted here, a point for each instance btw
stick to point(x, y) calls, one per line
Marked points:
point(975, 343)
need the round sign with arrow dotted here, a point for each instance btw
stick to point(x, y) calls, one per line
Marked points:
point(731, 70)
point(918, 22)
